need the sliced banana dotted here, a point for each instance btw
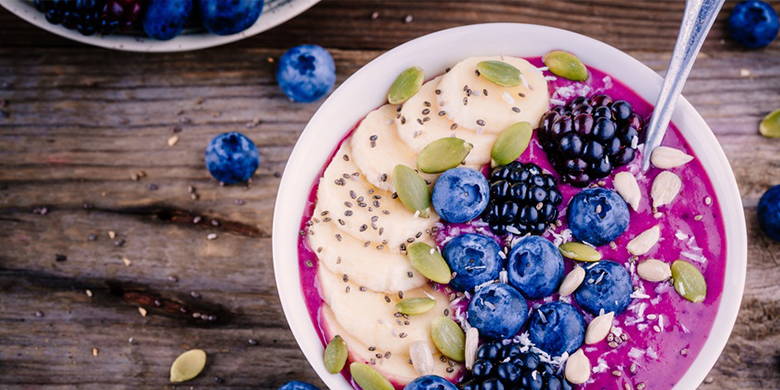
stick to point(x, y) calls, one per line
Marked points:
point(396, 368)
point(377, 149)
point(378, 270)
point(473, 102)
point(421, 122)
point(367, 213)
point(370, 316)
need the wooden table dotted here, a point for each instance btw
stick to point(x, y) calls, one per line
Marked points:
point(101, 215)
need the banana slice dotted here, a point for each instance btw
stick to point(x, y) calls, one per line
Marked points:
point(472, 101)
point(421, 122)
point(377, 149)
point(370, 317)
point(367, 213)
point(395, 368)
point(382, 270)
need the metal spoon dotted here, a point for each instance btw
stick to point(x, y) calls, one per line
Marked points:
point(696, 23)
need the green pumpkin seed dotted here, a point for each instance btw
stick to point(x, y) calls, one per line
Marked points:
point(414, 306)
point(499, 73)
point(770, 126)
point(428, 262)
point(688, 281)
point(511, 143)
point(448, 338)
point(335, 355)
point(579, 251)
point(443, 154)
point(566, 65)
point(188, 365)
point(368, 378)
point(412, 190)
point(405, 85)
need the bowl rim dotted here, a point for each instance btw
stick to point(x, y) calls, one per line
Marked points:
point(280, 13)
point(329, 124)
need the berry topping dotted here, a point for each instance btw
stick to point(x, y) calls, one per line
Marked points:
point(769, 213)
point(474, 259)
point(298, 385)
point(430, 382)
point(85, 16)
point(557, 327)
point(165, 19)
point(460, 195)
point(753, 24)
point(523, 199)
point(535, 267)
point(607, 287)
point(223, 17)
point(597, 216)
point(512, 367)
point(589, 137)
point(232, 158)
point(306, 73)
point(498, 311)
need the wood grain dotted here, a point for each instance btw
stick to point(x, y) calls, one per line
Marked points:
point(79, 122)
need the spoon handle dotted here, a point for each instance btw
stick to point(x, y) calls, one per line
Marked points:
point(696, 23)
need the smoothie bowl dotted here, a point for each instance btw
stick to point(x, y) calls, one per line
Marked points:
point(468, 211)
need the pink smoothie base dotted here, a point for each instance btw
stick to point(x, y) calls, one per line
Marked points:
point(663, 331)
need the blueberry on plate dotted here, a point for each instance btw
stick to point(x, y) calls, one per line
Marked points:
point(232, 158)
point(607, 286)
point(557, 327)
point(769, 213)
point(597, 216)
point(460, 194)
point(430, 382)
point(225, 17)
point(165, 19)
point(753, 24)
point(474, 260)
point(535, 267)
point(498, 311)
point(298, 385)
point(306, 73)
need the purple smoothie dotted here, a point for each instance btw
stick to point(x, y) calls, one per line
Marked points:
point(658, 337)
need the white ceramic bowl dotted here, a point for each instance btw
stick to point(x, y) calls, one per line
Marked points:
point(274, 12)
point(365, 90)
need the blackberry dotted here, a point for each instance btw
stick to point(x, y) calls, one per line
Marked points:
point(523, 199)
point(589, 137)
point(512, 368)
point(92, 16)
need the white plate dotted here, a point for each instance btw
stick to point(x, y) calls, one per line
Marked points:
point(274, 12)
point(365, 90)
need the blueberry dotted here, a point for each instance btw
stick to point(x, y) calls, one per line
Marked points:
point(232, 158)
point(482, 368)
point(460, 194)
point(306, 73)
point(557, 327)
point(492, 384)
point(474, 259)
point(430, 382)
point(508, 372)
point(607, 286)
point(297, 385)
point(535, 267)
point(753, 24)
point(489, 351)
point(224, 17)
point(597, 216)
point(769, 213)
point(498, 311)
point(165, 19)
